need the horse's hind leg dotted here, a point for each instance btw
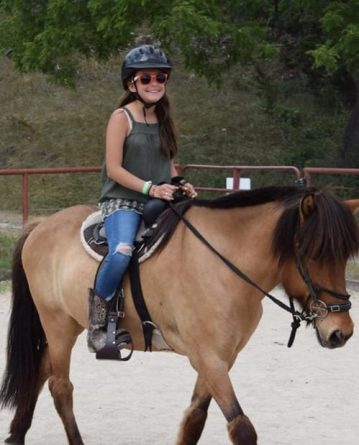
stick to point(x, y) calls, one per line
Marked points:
point(22, 420)
point(196, 415)
point(61, 389)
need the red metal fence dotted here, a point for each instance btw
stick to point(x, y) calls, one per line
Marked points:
point(308, 172)
point(26, 172)
point(234, 170)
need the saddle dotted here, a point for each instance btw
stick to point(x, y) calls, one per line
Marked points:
point(93, 234)
point(94, 240)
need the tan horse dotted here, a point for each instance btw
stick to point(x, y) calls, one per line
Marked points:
point(203, 309)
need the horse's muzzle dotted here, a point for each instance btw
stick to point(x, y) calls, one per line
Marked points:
point(336, 339)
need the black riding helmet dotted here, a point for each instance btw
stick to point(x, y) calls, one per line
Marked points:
point(144, 56)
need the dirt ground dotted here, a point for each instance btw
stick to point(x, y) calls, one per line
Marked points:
point(305, 394)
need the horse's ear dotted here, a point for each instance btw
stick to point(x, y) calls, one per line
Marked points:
point(353, 205)
point(307, 206)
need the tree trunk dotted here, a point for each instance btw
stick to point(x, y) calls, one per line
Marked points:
point(349, 153)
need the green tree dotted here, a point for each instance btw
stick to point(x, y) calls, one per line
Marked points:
point(49, 35)
point(319, 37)
point(340, 51)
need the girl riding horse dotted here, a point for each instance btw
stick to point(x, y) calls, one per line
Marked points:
point(140, 150)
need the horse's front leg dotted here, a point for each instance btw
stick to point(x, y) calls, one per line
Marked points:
point(196, 415)
point(214, 372)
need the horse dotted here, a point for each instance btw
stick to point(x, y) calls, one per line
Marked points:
point(299, 238)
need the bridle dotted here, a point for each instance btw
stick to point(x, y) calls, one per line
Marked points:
point(316, 308)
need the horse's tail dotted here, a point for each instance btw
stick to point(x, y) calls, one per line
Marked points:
point(26, 338)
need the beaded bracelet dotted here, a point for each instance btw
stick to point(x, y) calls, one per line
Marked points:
point(146, 187)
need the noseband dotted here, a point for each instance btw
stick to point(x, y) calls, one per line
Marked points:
point(317, 307)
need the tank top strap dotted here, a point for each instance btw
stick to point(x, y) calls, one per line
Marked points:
point(129, 114)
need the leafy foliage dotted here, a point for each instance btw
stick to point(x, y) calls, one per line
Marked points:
point(48, 35)
point(340, 23)
point(212, 36)
point(315, 40)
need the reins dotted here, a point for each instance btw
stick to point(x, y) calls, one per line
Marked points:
point(318, 307)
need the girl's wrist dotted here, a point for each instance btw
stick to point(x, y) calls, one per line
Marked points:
point(146, 187)
point(152, 191)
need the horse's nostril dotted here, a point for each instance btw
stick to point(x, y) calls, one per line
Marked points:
point(336, 339)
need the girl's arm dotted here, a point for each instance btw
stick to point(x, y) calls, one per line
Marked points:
point(117, 130)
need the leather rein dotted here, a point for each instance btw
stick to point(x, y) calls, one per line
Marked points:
point(317, 307)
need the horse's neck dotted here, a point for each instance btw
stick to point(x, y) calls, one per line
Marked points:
point(187, 278)
point(239, 226)
point(242, 235)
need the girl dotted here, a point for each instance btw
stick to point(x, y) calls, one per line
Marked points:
point(140, 151)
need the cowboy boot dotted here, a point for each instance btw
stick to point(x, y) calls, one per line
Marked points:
point(98, 311)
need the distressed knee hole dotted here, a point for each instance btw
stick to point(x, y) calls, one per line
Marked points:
point(125, 249)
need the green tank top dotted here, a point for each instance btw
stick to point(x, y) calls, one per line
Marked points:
point(143, 158)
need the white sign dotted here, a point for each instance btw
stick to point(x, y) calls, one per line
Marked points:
point(244, 183)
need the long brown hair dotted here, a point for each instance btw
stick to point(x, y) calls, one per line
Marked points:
point(168, 139)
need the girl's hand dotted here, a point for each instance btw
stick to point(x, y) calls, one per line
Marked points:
point(163, 191)
point(189, 190)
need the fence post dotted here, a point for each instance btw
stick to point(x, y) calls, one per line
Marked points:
point(25, 197)
point(236, 178)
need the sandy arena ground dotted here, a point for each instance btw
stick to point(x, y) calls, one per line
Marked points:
point(303, 395)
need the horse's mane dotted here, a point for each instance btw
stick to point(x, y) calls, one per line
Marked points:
point(330, 232)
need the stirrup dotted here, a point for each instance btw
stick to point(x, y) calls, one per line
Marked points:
point(116, 340)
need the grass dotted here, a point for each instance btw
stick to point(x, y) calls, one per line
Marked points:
point(4, 286)
point(236, 124)
point(7, 243)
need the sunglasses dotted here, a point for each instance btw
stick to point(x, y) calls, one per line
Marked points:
point(146, 79)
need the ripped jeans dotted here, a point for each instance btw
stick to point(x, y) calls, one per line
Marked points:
point(121, 228)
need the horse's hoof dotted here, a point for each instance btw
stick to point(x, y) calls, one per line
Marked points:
point(241, 431)
point(13, 441)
